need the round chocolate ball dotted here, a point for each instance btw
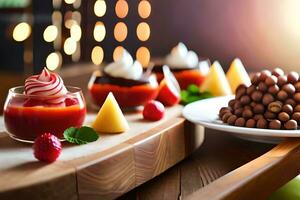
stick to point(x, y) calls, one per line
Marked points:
point(290, 125)
point(262, 123)
point(247, 113)
point(273, 89)
point(251, 89)
point(250, 123)
point(240, 122)
point(255, 78)
point(245, 100)
point(226, 116)
point(277, 72)
point(240, 91)
point(293, 77)
point(275, 107)
point(238, 112)
point(275, 124)
point(224, 110)
point(288, 109)
point(256, 96)
point(297, 86)
point(282, 95)
point(271, 80)
point(262, 87)
point(297, 97)
point(264, 75)
point(296, 116)
point(281, 80)
point(231, 120)
point(237, 105)
point(289, 88)
point(291, 102)
point(259, 109)
point(267, 99)
point(231, 103)
point(283, 116)
point(270, 115)
point(258, 116)
point(297, 108)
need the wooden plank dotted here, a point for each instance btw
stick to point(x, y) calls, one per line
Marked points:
point(107, 178)
point(261, 176)
point(160, 149)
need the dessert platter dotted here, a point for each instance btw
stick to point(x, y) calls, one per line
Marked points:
point(138, 131)
point(266, 110)
point(48, 138)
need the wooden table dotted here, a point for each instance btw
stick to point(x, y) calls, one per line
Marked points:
point(105, 169)
point(226, 167)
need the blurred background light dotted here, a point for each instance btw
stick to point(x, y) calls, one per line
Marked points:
point(75, 32)
point(100, 8)
point(121, 8)
point(144, 9)
point(143, 56)
point(21, 31)
point(118, 52)
point(70, 46)
point(97, 55)
point(53, 61)
point(99, 31)
point(50, 33)
point(143, 31)
point(120, 31)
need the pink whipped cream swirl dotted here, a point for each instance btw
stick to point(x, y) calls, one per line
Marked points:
point(48, 85)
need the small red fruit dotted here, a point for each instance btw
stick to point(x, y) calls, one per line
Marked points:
point(169, 90)
point(71, 101)
point(154, 111)
point(47, 147)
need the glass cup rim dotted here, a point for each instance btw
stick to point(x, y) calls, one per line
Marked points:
point(71, 90)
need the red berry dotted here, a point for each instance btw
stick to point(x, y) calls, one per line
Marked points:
point(153, 110)
point(47, 147)
point(71, 101)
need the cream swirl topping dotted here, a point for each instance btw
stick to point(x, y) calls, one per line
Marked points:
point(125, 67)
point(46, 84)
point(181, 57)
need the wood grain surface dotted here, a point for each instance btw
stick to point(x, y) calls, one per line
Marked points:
point(104, 169)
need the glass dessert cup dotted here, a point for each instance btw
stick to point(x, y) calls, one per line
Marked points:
point(28, 116)
point(128, 93)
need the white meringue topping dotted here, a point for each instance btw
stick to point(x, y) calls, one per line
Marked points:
point(181, 57)
point(125, 67)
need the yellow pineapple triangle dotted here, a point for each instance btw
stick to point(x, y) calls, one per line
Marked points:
point(110, 118)
point(237, 74)
point(216, 81)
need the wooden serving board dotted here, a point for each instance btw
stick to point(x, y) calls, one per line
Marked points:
point(104, 169)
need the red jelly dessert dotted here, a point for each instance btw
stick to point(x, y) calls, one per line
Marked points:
point(185, 66)
point(43, 105)
point(125, 79)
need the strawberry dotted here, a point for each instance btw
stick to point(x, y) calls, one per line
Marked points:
point(154, 111)
point(71, 101)
point(47, 147)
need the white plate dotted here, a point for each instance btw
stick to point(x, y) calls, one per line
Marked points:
point(205, 113)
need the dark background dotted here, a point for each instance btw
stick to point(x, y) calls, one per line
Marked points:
point(264, 34)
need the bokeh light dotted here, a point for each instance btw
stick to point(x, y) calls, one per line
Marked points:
point(53, 61)
point(143, 31)
point(21, 31)
point(50, 33)
point(121, 8)
point(99, 31)
point(143, 55)
point(100, 8)
point(120, 31)
point(70, 46)
point(97, 55)
point(75, 32)
point(144, 9)
point(118, 52)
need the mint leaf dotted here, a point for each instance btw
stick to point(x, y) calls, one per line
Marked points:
point(83, 135)
point(193, 89)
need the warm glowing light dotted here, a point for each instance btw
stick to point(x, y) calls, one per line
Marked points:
point(100, 8)
point(56, 3)
point(118, 52)
point(69, 23)
point(70, 46)
point(50, 33)
point(77, 4)
point(69, 1)
point(76, 16)
point(56, 17)
point(120, 31)
point(21, 32)
point(53, 61)
point(143, 55)
point(97, 55)
point(144, 9)
point(143, 31)
point(99, 31)
point(75, 32)
point(121, 8)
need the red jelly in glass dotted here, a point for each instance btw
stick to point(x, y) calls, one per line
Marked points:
point(28, 116)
